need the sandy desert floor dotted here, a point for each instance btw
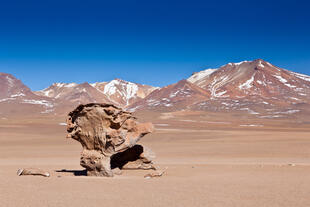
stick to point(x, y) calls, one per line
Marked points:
point(210, 163)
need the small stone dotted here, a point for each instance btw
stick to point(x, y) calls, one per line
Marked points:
point(157, 173)
point(32, 171)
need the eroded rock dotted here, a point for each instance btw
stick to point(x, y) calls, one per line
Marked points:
point(108, 136)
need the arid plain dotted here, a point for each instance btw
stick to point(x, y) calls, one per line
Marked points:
point(154, 103)
point(211, 162)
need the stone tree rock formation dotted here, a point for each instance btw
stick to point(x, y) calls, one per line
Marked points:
point(108, 136)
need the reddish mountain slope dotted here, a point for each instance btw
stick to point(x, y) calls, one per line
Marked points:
point(16, 98)
point(256, 87)
point(69, 95)
point(11, 87)
point(73, 93)
point(255, 78)
point(173, 97)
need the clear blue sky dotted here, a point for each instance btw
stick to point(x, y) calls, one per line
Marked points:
point(149, 41)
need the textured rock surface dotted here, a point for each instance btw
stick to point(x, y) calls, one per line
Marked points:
point(108, 136)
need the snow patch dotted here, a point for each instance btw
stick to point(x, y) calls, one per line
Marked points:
point(150, 100)
point(59, 85)
point(237, 64)
point(289, 85)
point(217, 83)
point(280, 78)
point(247, 84)
point(70, 85)
point(66, 85)
point(6, 99)
point(110, 88)
point(219, 94)
point(294, 98)
point(47, 92)
point(93, 84)
point(271, 116)
point(260, 64)
point(200, 75)
point(127, 90)
point(17, 95)
point(226, 104)
point(292, 111)
point(301, 76)
point(39, 102)
point(173, 94)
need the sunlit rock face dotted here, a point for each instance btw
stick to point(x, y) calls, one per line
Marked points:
point(108, 136)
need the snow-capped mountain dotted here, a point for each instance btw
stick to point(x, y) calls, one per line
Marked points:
point(15, 97)
point(254, 78)
point(177, 96)
point(119, 92)
point(254, 87)
point(123, 93)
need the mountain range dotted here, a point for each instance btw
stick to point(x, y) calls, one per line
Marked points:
point(254, 87)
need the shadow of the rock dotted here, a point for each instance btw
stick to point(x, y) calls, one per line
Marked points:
point(74, 172)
